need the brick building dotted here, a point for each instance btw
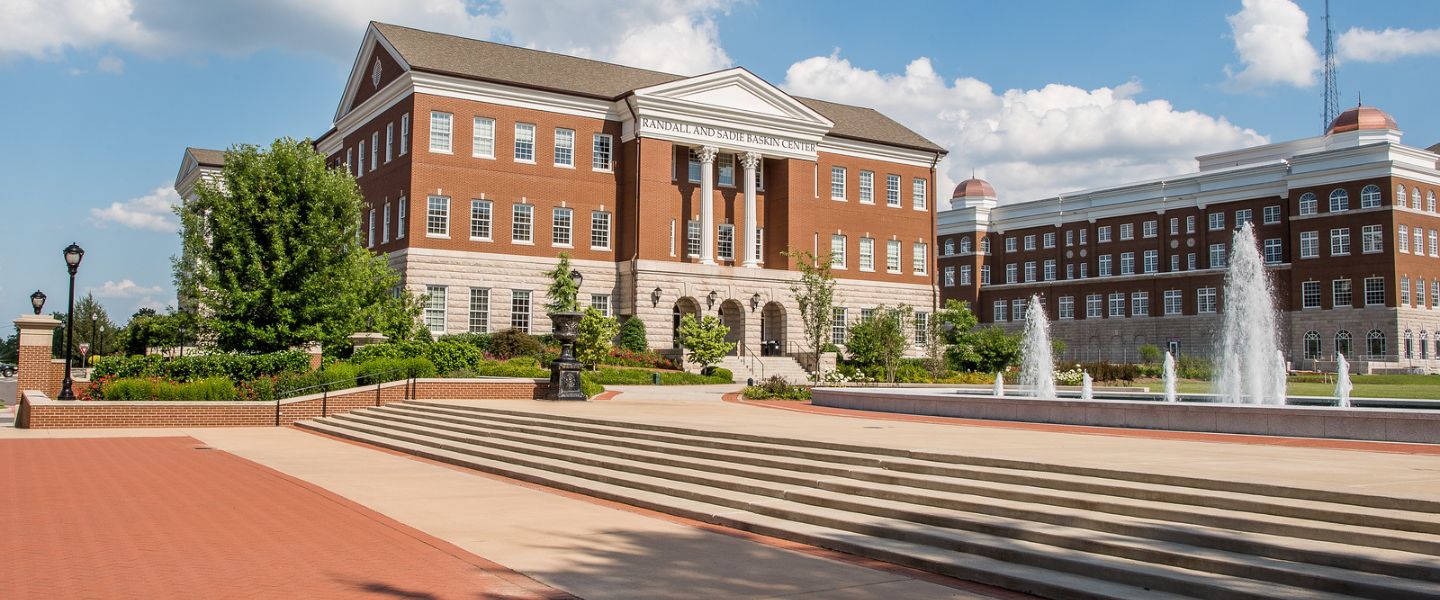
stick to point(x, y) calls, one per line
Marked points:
point(481, 162)
point(1347, 222)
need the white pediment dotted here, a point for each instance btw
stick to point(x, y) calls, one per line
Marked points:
point(733, 110)
point(364, 68)
point(736, 90)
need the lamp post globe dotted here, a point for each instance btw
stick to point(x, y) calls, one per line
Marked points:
point(37, 301)
point(73, 255)
point(577, 277)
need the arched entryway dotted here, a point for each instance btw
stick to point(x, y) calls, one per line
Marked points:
point(772, 329)
point(732, 314)
point(684, 306)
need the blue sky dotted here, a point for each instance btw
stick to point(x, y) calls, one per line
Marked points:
point(1039, 97)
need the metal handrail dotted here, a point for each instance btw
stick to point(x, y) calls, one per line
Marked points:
point(748, 356)
point(410, 386)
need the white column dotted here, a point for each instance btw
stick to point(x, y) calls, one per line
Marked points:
point(707, 204)
point(751, 160)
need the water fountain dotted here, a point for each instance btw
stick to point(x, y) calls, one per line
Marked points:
point(1246, 365)
point(999, 389)
point(1169, 375)
point(1037, 365)
point(1087, 387)
point(1342, 380)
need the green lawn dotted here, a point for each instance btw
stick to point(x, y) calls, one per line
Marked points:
point(1366, 386)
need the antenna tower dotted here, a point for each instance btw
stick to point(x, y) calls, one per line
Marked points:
point(1332, 94)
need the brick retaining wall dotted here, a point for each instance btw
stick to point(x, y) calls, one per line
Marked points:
point(38, 411)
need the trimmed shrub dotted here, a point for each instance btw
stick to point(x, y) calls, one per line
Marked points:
point(590, 388)
point(911, 371)
point(721, 374)
point(967, 378)
point(136, 389)
point(480, 341)
point(621, 357)
point(236, 367)
point(632, 336)
point(1111, 371)
point(452, 355)
point(513, 342)
point(626, 376)
point(777, 388)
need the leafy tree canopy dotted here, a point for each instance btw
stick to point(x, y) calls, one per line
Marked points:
point(704, 340)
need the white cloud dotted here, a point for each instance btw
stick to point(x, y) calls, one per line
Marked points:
point(1270, 41)
point(125, 288)
point(1368, 45)
point(674, 35)
point(1028, 143)
point(111, 64)
point(153, 211)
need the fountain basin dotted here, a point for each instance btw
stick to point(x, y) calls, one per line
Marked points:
point(1375, 424)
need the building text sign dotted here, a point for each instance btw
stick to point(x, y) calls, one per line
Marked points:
point(723, 135)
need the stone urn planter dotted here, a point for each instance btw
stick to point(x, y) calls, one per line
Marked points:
point(565, 371)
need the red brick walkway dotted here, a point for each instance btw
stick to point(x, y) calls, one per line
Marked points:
point(163, 518)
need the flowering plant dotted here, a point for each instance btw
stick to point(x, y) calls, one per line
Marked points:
point(1074, 376)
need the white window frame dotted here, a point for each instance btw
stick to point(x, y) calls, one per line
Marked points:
point(837, 183)
point(479, 313)
point(892, 190)
point(867, 256)
point(564, 151)
point(1174, 302)
point(1206, 302)
point(435, 315)
point(1067, 307)
point(837, 251)
point(725, 241)
point(1340, 200)
point(892, 256)
point(482, 220)
point(441, 132)
point(1309, 244)
point(374, 150)
point(600, 230)
point(385, 231)
point(921, 252)
point(725, 169)
point(867, 187)
point(692, 238)
point(1372, 240)
point(920, 193)
point(437, 222)
point(389, 142)
point(562, 227)
point(1374, 291)
point(1310, 294)
point(524, 151)
point(482, 138)
point(1340, 241)
point(1309, 204)
point(602, 156)
point(404, 133)
point(520, 314)
point(522, 230)
point(400, 218)
point(1273, 251)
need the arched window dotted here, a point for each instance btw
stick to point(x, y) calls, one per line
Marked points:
point(1424, 345)
point(1409, 344)
point(1399, 196)
point(1415, 198)
point(965, 245)
point(1342, 343)
point(1375, 344)
point(1312, 345)
point(985, 245)
point(1340, 201)
point(1307, 203)
point(1370, 196)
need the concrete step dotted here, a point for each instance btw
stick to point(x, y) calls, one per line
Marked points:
point(1243, 561)
point(828, 488)
point(1032, 567)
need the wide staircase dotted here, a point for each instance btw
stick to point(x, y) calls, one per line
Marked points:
point(1051, 530)
point(764, 367)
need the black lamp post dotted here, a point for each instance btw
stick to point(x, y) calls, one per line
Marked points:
point(73, 255)
point(37, 301)
point(94, 334)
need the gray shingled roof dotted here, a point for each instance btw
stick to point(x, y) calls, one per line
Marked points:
point(476, 59)
point(1435, 148)
point(209, 158)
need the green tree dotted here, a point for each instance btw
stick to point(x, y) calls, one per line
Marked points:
point(704, 340)
point(596, 333)
point(272, 253)
point(880, 342)
point(1150, 354)
point(815, 295)
point(10, 349)
point(94, 327)
point(632, 335)
point(563, 289)
point(989, 349)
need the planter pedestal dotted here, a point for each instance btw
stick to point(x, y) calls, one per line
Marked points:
point(565, 371)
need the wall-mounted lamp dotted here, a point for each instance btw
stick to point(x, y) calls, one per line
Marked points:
point(655, 297)
point(710, 299)
point(755, 302)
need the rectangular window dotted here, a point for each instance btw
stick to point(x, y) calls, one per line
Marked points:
point(985, 275)
point(404, 133)
point(1150, 229)
point(837, 251)
point(1093, 308)
point(1419, 237)
point(839, 326)
point(1271, 214)
point(520, 310)
point(1242, 217)
point(1374, 291)
point(400, 223)
point(922, 258)
point(966, 275)
point(837, 183)
point(1012, 273)
point(385, 231)
point(694, 166)
point(922, 328)
point(1000, 309)
point(435, 309)
point(562, 221)
point(1434, 244)
point(867, 258)
point(437, 218)
point(867, 187)
point(1402, 239)
point(1069, 238)
point(1067, 307)
point(1174, 263)
point(522, 223)
point(482, 143)
point(1010, 245)
point(370, 237)
point(439, 131)
point(725, 242)
point(1190, 261)
point(1340, 241)
point(892, 190)
point(1029, 271)
point(349, 158)
point(726, 165)
point(599, 230)
point(1117, 304)
point(1105, 262)
point(1217, 256)
point(1217, 221)
point(1309, 244)
point(564, 147)
point(1048, 240)
point(1140, 304)
point(1190, 224)
point(1050, 270)
point(692, 238)
point(1370, 240)
point(389, 141)
point(600, 302)
point(1082, 236)
point(1029, 242)
point(920, 195)
point(1174, 225)
point(760, 174)
point(760, 244)
point(1420, 293)
point(360, 165)
point(1205, 300)
point(1127, 231)
point(947, 275)
point(603, 150)
point(479, 310)
point(1017, 309)
point(1173, 302)
point(480, 213)
point(1274, 252)
point(1127, 263)
point(1102, 234)
point(1310, 294)
point(1152, 261)
point(892, 256)
point(1341, 293)
point(1404, 291)
point(1070, 271)
point(524, 142)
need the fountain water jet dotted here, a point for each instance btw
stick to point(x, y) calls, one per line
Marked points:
point(1169, 374)
point(999, 389)
point(1037, 364)
point(1342, 380)
point(1245, 361)
point(1087, 387)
